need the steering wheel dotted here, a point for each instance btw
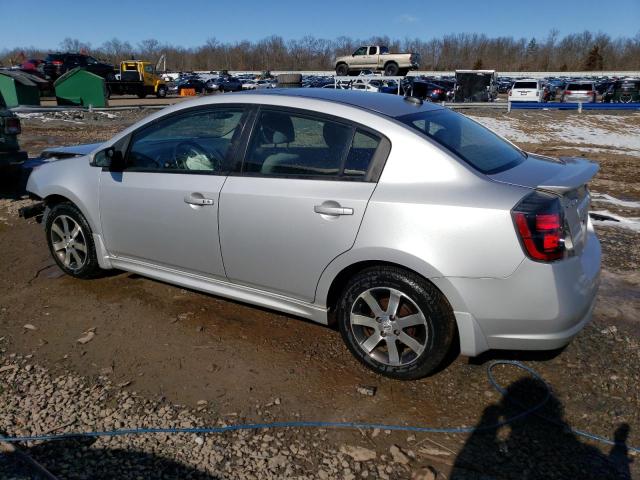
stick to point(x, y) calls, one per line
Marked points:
point(187, 149)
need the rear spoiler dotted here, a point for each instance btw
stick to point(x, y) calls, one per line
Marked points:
point(578, 172)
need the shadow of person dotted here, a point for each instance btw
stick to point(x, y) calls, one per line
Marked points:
point(78, 459)
point(535, 448)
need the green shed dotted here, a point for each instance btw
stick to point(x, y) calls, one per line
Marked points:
point(18, 88)
point(81, 88)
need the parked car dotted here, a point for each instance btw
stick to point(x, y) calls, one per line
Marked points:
point(225, 84)
point(428, 91)
point(376, 58)
point(623, 91)
point(10, 128)
point(188, 83)
point(504, 86)
point(527, 90)
point(56, 64)
point(579, 91)
point(413, 227)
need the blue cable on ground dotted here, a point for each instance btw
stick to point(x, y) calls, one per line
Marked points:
point(344, 425)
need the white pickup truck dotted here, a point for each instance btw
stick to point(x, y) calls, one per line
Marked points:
point(377, 58)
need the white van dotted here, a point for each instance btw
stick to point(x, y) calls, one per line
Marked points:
point(527, 90)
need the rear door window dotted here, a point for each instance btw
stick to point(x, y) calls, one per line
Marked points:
point(305, 145)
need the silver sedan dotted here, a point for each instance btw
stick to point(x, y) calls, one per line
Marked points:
point(412, 227)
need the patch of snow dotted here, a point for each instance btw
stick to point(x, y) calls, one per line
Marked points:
point(599, 131)
point(630, 223)
point(606, 198)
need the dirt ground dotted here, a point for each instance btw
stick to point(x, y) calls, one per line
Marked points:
point(177, 346)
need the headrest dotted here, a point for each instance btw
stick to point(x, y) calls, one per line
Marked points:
point(277, 128)
point(335, 135)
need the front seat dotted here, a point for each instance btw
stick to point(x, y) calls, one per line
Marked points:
point(277, 129)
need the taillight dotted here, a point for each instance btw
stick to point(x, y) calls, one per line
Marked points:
point(539, 220)
point(568, 92)
point(57, 62)
point(437, 91)
point(12, 126)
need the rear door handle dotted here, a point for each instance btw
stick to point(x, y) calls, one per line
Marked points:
point(197, 199)
point(334, 211)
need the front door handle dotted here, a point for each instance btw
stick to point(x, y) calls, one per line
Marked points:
point(331, 210)
point(197, 199)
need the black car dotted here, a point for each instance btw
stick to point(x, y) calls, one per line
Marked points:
point(428, 91)
point(57, 64)
point(224, 83)
point(188, 83)
point(623, 91)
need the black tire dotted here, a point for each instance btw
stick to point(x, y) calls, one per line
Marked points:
point(54, 217)
point(434, 334)
point(161, 92)
point(342, 70)
point(391, 69)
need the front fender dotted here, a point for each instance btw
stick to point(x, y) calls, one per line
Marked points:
point(73, 179)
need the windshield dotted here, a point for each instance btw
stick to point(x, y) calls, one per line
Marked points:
point(473, 143)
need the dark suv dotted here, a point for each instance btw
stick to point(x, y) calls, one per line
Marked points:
point(57, 64)
point(623, 91)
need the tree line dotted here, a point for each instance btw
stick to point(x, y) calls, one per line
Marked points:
point(572, 52)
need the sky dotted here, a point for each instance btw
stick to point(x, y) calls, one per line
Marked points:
point(190, 23)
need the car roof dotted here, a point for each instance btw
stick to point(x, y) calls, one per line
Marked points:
point(382, 103)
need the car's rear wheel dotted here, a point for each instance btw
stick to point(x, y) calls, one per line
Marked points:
point(395, 322)
point(391, 69)
point(70, 241)
point(342, 70)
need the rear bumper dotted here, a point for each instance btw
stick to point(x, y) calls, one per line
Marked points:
point(539, 307)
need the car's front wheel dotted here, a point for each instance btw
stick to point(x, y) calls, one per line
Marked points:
point(395, 322)
point(70, 241)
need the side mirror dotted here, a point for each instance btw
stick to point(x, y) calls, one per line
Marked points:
point(116, 159)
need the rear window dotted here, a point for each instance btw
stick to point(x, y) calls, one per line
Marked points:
point(53, 57)
point(586, 87)
point(532, 85)
point(473, 143)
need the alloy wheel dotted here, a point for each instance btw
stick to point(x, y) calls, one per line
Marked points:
point(68, 242)
point(389, 326)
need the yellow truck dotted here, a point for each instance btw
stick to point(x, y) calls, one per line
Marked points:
point(137, 78)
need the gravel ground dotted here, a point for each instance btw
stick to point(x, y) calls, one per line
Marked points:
point(161, 356)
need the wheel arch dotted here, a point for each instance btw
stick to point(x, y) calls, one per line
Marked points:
point(469, 336)
point(338, 272)
point(58, 196)
point(388, 62)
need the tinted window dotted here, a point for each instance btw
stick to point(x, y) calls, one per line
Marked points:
point(361, 51)
point(289, 144)
point(373, 50)
point(532, 85)
point(198, 141)
point(363, 148)
point(475, 144)
point(587, 87)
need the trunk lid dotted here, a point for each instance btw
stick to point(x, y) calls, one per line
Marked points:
point(567, 178)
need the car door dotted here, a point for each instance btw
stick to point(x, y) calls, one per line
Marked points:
point(298, 201)
point(162, 209)
point(358, 57)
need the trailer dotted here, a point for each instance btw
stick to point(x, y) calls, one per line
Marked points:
point(139, 78)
